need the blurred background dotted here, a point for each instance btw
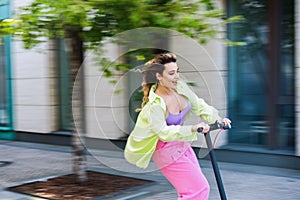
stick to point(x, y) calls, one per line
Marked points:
point(256, 84)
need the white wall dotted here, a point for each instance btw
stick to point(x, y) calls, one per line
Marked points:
point(105, 109)
point(34, 88)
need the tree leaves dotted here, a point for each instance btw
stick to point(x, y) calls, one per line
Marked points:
point(97, 19)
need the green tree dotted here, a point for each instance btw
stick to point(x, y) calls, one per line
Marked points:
point(85, 24)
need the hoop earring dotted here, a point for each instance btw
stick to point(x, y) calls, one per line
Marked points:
point(156, 85)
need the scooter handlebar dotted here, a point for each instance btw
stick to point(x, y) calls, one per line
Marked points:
point(215, 126)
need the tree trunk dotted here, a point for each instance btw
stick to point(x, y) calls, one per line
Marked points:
point(76, 52)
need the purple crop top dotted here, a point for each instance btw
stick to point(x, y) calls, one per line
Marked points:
point(175, 119)
point(178, 119)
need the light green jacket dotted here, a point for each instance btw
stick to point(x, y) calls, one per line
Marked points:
point(151, 126)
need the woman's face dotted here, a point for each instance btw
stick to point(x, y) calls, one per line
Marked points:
point(170, 75)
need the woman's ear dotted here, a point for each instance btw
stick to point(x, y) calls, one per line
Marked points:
point(158, 76)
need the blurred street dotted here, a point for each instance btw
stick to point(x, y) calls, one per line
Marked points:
point(25, 162)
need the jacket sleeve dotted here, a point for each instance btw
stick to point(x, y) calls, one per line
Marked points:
point(158, 125)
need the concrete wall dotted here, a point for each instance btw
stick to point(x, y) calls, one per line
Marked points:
point(34, 88)
point(106, 110)
point(34, 85)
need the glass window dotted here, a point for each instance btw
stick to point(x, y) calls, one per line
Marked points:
point(287, 77)
point(249, 77)
point(3, 91)
point(65, 87)
point(248, 73)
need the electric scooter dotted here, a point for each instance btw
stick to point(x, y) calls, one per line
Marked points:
point(215, 126)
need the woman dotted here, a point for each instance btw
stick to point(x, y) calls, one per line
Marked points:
point(159, 132)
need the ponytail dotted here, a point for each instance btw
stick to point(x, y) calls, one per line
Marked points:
point(146, 90)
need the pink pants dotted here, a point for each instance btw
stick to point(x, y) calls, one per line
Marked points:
point(184, 172)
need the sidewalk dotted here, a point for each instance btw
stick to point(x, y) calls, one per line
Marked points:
point(25, 162)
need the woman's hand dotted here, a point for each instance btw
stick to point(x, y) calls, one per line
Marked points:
point(205, 127)
point(227, 122)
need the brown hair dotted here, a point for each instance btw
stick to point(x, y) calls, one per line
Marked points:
point(156, 65)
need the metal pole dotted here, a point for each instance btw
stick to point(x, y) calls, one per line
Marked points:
point(215, 167)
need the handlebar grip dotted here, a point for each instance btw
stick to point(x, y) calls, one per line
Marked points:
point(199, 130)
point(216, 125)
point(226, 127)
point(221, 125)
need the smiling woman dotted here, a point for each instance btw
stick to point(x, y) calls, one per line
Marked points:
point(159, 131)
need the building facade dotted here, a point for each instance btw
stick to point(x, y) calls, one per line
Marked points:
point(257, 85)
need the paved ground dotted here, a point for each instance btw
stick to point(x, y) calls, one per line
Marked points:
point(23, 162)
